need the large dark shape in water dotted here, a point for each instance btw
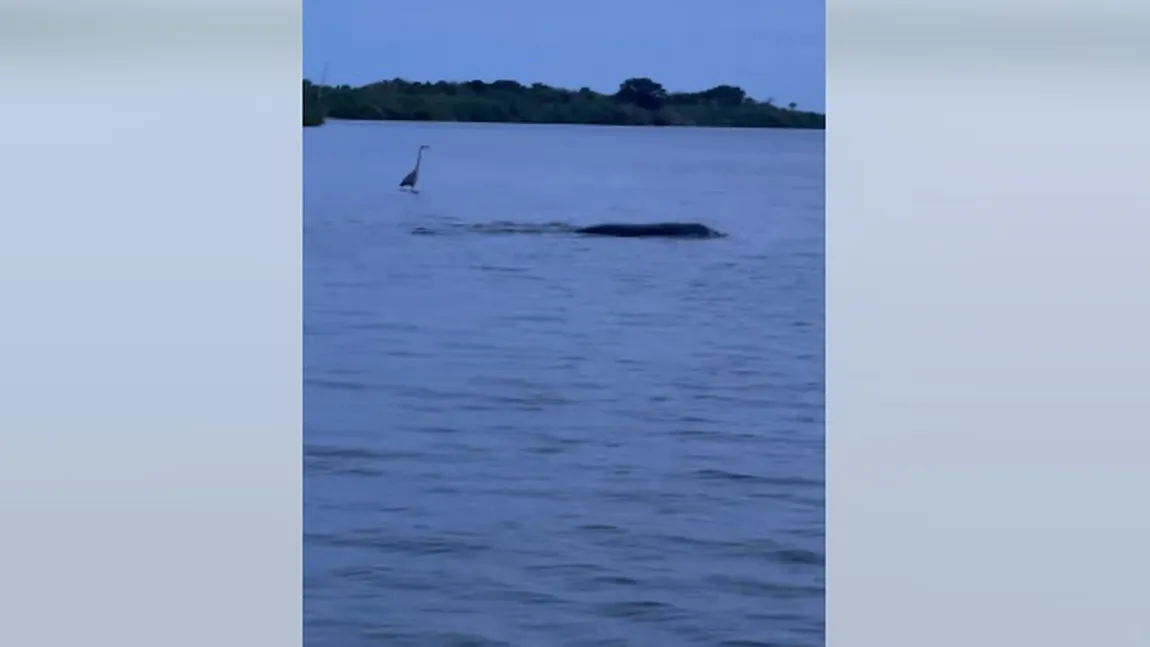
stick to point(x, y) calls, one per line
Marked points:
point(653, 230)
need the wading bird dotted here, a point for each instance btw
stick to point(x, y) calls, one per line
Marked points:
point(408, 182)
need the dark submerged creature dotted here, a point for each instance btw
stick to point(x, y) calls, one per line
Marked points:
point(652, 230)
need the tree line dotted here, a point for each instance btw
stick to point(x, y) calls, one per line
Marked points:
point(637, 102)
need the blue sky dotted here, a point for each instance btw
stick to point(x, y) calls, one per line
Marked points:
point(771, 48)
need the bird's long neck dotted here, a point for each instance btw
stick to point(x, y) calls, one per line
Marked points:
point(418, 158)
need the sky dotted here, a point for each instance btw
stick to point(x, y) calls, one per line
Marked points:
point(771, 48)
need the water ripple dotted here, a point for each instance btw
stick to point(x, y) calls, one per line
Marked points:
point(524, 440)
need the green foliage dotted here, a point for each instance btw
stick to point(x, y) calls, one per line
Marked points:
point(313, 109)
point(642, 92)
point(638, 102)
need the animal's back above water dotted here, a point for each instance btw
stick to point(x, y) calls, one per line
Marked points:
point(652, 230)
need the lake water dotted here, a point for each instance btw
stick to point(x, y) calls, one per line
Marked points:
point(519, 436)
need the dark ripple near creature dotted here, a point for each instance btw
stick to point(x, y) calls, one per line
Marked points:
point(664, 230)
point(559, 440)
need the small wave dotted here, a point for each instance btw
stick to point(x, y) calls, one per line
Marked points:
point(642, 610)
point(496, 227)
point(507, 227)
point(411, 546)
point(787, 482)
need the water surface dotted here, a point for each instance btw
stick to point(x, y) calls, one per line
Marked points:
point(525, 437)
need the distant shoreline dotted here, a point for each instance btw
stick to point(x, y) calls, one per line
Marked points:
point(332, 120)
point(638, 102)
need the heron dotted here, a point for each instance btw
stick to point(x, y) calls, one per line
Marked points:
point(408, 182)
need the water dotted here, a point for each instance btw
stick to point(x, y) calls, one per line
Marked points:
point(518, 436)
